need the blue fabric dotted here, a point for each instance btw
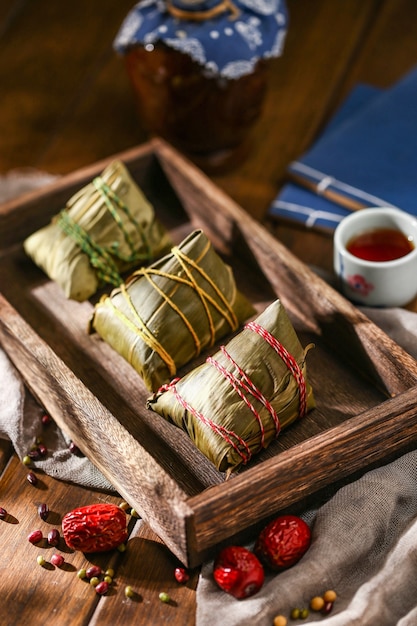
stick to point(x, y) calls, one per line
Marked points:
point(224, 46)
point(368, 153)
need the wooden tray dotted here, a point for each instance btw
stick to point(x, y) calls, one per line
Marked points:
point(365, 384)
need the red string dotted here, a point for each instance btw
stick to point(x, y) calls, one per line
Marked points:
point(242, 384)
point(289, 361)
point(227, 435)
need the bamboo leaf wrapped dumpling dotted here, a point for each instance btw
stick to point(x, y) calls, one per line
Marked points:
point(166, 314)
point(106, 229)
point(233, 405)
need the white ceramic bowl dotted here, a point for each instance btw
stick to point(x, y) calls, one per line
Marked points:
point(376, 283)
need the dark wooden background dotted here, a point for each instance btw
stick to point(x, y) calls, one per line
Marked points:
point(66, 102)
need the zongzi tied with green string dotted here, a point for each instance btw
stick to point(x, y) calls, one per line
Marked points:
point(106, 229)
point(166, 314)
point(237, 402)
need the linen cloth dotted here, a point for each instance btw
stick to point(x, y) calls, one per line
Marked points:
point(364, 536)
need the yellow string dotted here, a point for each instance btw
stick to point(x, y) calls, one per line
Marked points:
point(146, 335)
point(142, 331)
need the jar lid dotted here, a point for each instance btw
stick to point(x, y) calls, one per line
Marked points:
point(226, 37)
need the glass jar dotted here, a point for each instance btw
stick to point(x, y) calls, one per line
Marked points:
point(208, 117)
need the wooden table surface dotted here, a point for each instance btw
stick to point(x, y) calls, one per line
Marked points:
point(66, 102)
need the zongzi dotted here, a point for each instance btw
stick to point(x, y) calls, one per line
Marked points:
point(233, 405)
point(107, 228)
point(165, 314)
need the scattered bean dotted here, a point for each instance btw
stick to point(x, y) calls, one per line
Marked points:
point(303, 613)
point(181, 575)
point(129, 593)
point(280, 620)
point(102, 588)
point(41, 560)
point(295, 613)
point(330, 596)
point(317, 603)
point(43, 511)
point(32, 478)
point(164, 597)
point(327, 608)
point(53, 537)
point(94, 580)
point(35, 536)
point(3, 513)
point(110, 572)
point(74, 449)
point(43, 450)
point(94, 571)
point(82, 573)
point(57, 560)
point(46, 419)
point(26, 460)
point(34, 455)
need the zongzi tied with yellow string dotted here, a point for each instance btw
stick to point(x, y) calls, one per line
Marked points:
point(233, 405)
point(106, 229)
point(167, 313)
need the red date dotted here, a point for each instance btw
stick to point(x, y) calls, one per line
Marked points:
point(95, 528)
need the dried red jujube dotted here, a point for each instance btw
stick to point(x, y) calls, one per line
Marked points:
point(95, 528)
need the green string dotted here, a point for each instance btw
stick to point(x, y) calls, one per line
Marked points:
point(102, 258)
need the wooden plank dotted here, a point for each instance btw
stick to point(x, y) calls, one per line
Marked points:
point(49, 63)
point(148, 567)
point(30, 593)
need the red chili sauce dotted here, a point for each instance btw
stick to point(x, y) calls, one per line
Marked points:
point(382, 244)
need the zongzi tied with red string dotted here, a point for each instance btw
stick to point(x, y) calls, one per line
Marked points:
point(106, 229)
point(233, 405)
point(166, 314)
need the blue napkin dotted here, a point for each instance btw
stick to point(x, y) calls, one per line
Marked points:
point(367, 155)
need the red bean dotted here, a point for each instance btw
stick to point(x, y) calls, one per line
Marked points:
point(181, 575)
point(35, 455)
point(3, 513)
point(93, 571)
point(35, 536)
point(102, 587)
point(57, 560)
point(327, 608)
point(46, 419)
point(53, 537)
point(42, 449)
point(32, 478)
point(43, 511)
point(74, 449)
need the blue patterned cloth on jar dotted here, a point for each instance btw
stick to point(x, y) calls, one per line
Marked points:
point(226, 37)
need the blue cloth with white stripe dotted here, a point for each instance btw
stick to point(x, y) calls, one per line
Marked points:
point(367, 153)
